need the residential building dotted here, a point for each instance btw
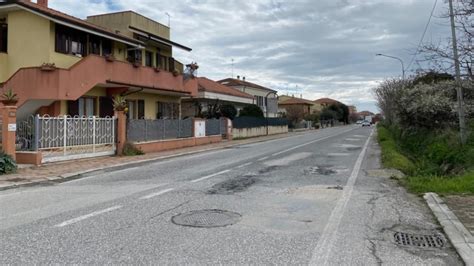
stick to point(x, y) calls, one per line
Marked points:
point(352, 110)
point(325, 102)
point(62, 65)
point(265, 98)
point(211, 92)
point(308, 106)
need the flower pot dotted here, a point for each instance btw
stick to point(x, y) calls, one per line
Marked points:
point(9, 102)
point(109, 58)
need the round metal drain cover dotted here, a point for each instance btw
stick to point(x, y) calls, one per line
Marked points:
point(206, 218)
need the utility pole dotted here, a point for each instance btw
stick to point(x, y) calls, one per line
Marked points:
point(462, 119)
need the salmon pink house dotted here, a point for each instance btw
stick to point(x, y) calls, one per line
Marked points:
point(58, 64)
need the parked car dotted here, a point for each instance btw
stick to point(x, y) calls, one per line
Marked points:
point(359, 122)
point(366, 124)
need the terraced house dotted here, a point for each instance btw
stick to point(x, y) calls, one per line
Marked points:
point(62, 65)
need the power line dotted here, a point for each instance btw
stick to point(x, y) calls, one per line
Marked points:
point(423, 36)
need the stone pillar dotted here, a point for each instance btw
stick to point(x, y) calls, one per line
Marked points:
point(121, 131)
point(9, 130)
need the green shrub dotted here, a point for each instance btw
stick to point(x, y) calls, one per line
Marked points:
point(228, 110)
point(7, 164)
point(130, 150)
point(251, 110)
point(391, 157)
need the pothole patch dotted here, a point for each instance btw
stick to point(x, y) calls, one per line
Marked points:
point(419, 240)
point(325, 170)
point(336, 187)
point(338, 154)
point(233, 185)
point(206, 218)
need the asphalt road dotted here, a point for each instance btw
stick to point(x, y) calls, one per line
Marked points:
point(306, 199)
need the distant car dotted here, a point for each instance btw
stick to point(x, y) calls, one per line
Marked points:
point(366, 124)
point(359, 122)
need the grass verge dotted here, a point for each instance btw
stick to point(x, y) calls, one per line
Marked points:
point(416, 182)
point(442, 185)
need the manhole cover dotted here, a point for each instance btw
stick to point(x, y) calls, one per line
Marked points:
point(206, 218)
point(422, 241)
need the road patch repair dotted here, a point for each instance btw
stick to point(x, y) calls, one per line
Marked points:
point(288, 159)
point(233, 185)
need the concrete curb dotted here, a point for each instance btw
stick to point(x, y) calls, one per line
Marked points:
point(76, 175)
point(459, 236)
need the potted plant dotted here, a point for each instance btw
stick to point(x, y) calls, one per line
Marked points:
point(119, 103)
point(175, 72)
point(9, 98)
point(48, 67)
point(109, 58)
point(137, 64)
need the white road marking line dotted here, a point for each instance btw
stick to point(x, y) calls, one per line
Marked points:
point(263, 159)
point(326, 242)
point(87, 216)
point(209, 176)
point(161, 192)
point(243, 165)
point(313, 141)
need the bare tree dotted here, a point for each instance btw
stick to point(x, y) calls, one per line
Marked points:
point(440, 55)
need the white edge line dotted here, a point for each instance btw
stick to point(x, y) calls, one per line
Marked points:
point(87, 216)
point(161, 192)
point(326, 241)
point(209, 176)
point(263, 159)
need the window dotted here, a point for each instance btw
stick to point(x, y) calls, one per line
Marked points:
point(3, 38)
point(94, 45)
point(159, 58)
point(136, 109)
point(167, 110)
point(70, 41)
point(148, 58)
point(106, 47)
point(84, 106)
point(134, 55)
point(260, 100)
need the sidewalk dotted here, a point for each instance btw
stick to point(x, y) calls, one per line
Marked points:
point(54, 172)
point(456, 216)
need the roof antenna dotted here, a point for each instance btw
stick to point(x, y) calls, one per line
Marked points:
point(232, 67)
point(169, 19)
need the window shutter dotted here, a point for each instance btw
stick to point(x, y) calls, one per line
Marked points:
point(141, 109)
point(171, 64)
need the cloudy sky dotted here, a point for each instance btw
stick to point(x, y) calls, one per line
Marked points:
point(317, 48)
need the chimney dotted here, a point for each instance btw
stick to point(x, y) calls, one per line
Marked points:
point(238, 77)
point(43, 3)
point(301, 96)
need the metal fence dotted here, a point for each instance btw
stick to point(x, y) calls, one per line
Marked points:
point(67, 137)
point(158, 129)
point(213, 127)
point(249, 122)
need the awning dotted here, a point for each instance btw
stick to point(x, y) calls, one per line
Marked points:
point(159, 39)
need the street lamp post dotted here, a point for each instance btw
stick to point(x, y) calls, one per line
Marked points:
point(396, 58)
point(266, 106)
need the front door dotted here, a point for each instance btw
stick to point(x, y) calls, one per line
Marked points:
point(106, 107)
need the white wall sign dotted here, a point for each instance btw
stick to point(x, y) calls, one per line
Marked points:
point(11, 127)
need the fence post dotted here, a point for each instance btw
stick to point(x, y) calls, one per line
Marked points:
point(65, 135)
point(164, 127)
point(229, 129)
point(179, 128)
point(93, 134)
point(9, 130)
point(37, 132)
point(146, 131)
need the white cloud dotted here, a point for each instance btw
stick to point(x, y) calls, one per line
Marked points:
point(325, 48)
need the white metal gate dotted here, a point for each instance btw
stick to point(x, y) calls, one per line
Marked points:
point(65, 138)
